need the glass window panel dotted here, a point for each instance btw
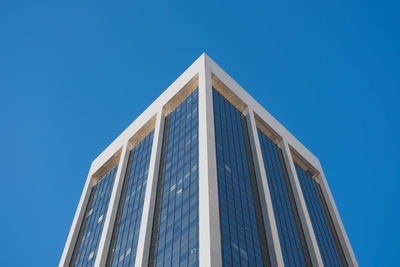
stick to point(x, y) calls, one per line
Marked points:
point(127, 225)
point(290, 232)
point(175, 227)
point(325, 232)
point(243, 240)
point(92, 225)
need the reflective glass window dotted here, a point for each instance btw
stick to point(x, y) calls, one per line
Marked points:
point(291, 236)
point(175, 227)
point(325, 233)
point(243, 240)
point(127, 225)
point(92, 225)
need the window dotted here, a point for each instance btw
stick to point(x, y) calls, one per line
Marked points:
point(325, 233)
point(127, 225)
point(291, 236)
point(175, 229)
point(92, 225)
point(243, 240)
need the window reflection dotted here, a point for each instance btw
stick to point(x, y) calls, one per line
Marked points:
point(92, 225)
point(242, 231)
point(175, 230)
point(127, 225)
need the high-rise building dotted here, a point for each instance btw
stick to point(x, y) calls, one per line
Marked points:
point(205, 176)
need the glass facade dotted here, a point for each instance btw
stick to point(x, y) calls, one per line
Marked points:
point(175, 227)
point(92, 225)
point(127, 225)
point(243, 239)
point(291, 236)
point(325, 233)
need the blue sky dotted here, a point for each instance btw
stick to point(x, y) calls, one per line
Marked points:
point(74, 75)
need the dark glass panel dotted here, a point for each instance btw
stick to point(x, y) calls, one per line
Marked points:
point(291, 236)
point(92, 225)
point(175, 227)
point(325, 232)
point(243, 240)
point(127, 225)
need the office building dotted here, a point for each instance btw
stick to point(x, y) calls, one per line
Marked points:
point(205, 176)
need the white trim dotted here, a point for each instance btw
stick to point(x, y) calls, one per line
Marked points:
point(209, 230)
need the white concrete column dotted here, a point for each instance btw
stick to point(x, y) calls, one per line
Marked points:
point(337, 221)
point(209, 229)
point(146, 225)
point(271, 230)
point(104, 244)
point(76, 223)
point(301, 206)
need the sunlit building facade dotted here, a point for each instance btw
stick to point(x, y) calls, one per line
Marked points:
point(205, 176)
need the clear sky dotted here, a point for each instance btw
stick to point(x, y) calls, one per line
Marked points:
point(74, 75)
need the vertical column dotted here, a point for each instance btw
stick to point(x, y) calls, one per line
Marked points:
point(301, 206)
point(209, 230)
point(341, 232)
point(146, 225)
point(105, 238)
point(265, 198)
point(76, 223)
